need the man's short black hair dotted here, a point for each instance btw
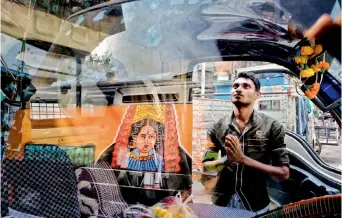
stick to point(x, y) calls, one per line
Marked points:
point(252, 77)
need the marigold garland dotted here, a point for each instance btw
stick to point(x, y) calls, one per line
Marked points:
point(305, 55)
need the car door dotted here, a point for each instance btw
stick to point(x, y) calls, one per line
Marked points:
point(310, 176)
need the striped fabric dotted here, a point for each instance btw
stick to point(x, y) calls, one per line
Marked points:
point(98, 191)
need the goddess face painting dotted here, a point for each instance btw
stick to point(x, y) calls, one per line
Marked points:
point(146, 153)
point(147, 140)
point(144, 134)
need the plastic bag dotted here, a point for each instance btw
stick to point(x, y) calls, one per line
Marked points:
point(173, 207)
point(169, 207)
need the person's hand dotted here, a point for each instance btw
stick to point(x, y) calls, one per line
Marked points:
point(325, 31)
point(323, 28)
point(234, 149)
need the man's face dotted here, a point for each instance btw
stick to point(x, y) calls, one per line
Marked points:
point(244, 92)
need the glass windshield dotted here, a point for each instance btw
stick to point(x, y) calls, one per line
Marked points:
point(164, 108)
point(109, 43)
point(152, 49)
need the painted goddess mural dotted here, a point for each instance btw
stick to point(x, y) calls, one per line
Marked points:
point(145, 140)
point(147, 153)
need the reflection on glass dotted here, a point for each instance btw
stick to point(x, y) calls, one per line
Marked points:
point(135, 87)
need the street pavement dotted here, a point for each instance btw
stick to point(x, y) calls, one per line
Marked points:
point(331, 154)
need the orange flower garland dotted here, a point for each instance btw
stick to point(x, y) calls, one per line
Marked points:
point(305, 55)
point(317, 50)
point(324, 65)
point(311, 93)
point(315, 68)
point(301, 59)
point(306, 50)
point(306, 73)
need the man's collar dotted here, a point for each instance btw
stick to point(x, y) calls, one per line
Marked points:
point(253, 119)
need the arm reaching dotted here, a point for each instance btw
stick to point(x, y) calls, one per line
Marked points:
point(278, 173)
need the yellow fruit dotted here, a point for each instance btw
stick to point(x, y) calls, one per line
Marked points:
point(159, 212)
point(173, 209)
point(180, 215)
point(167, 215)
point(155, 210)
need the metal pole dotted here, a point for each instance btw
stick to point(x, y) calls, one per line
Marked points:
point(78, 85)
point(203, 80)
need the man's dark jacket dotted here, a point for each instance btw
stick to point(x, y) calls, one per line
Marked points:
point(261, 140)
